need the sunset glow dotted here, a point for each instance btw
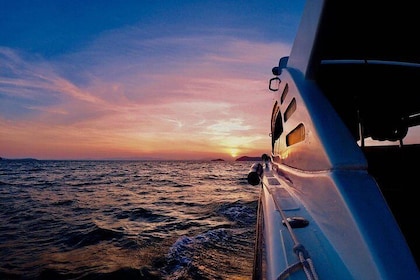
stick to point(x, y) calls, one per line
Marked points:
point(130, 83)
point(234, 153)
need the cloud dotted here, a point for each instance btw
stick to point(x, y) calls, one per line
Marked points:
point(123, 89)
point(226, 127)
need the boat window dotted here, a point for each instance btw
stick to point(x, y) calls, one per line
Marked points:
point(284, 94)
point(276, 124)
point(296, 135)
point(274, 113)
point(290, 109)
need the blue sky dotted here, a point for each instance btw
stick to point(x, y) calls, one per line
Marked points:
point(119, 79)
point(52, 28)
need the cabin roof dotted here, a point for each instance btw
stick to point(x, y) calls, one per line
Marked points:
point(365, 56)
point(357, 29)
point(365, 29)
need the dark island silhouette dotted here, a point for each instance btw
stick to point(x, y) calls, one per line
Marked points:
point(247, 158)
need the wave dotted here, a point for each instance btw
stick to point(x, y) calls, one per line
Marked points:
point(141, 214)
point(66, 202)
point(95, 234)
point(214, 254)
point(121, 273)
point(242, 213)
point(126, 220)
point(181, 262)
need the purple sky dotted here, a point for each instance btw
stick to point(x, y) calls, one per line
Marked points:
point(129, 79)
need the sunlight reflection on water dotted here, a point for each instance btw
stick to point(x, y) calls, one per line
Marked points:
point(98, 218)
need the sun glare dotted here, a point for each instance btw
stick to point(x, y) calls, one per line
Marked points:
point(234, 152)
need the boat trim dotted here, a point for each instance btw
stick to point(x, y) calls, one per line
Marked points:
point(369, 61)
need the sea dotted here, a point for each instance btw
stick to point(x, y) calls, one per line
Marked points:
point(126, 219)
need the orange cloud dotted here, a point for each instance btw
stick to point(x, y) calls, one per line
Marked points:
point(214, 103)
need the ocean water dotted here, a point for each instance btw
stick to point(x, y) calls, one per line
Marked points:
point(126, 220)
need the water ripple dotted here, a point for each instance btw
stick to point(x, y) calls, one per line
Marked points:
point(126, 219)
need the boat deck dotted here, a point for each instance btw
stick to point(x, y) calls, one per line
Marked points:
point(395, 170)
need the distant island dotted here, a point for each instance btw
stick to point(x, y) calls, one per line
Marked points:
point(243, 158)
point(19, 159)
point(246, 158)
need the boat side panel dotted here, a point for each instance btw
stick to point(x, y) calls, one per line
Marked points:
point(279, 243)
point(351, 226)
point(327, 143)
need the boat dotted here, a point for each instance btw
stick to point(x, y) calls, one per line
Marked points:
point(338, 190)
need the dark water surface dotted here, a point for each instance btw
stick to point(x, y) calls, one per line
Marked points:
point(126, 220)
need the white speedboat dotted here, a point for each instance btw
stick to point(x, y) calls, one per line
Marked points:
point(331, 205)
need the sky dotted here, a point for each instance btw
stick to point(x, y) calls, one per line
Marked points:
point(140, 79)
